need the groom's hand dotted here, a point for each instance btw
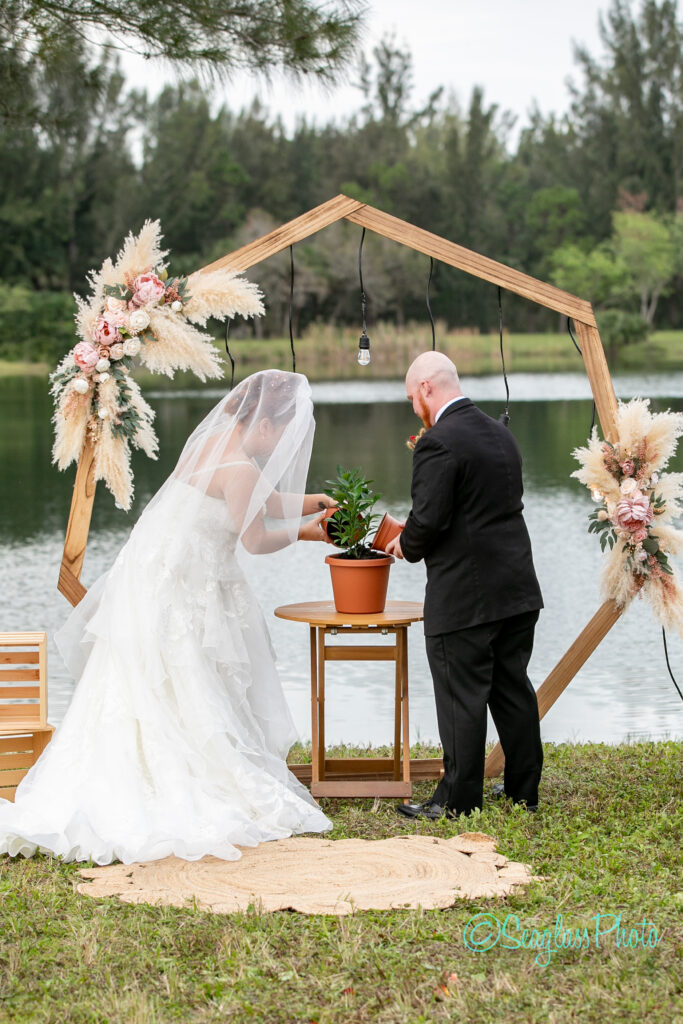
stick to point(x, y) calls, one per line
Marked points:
point(394, 547)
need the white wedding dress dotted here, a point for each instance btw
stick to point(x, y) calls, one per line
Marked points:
point(176, 736)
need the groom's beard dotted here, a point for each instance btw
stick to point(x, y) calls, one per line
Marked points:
point(424, 413)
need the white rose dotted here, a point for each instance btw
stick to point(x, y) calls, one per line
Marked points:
point(115, 305)
point(176, 306)
point(102, 377)
point(81, 385)
point(131, 347)
point(102, 365)
point(103, 413)
point(137, 321)
point(629, 485)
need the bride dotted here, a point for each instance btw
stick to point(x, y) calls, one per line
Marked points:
point(176, 736)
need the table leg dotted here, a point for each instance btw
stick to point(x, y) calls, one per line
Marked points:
point(397, 706)
point(404, 704)
point(314, 706)
point(321, 703)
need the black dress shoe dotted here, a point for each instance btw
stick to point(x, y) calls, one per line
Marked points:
point(498, 791)
point(428, 809)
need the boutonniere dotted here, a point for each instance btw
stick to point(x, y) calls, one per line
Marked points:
point(414, 438)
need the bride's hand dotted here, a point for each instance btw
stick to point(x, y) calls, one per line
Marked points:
point(322, 501)
point(312, 529)
point(317, 502)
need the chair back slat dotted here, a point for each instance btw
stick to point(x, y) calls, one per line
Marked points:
point(19, 693)
point(19, 675)
point(19, 657)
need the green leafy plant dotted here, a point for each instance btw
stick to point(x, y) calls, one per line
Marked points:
point(354, 518)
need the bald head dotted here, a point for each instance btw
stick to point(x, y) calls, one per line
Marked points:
point(431, 381)
point(436, 368)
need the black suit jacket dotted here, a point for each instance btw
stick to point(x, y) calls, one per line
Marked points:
point(467, 524)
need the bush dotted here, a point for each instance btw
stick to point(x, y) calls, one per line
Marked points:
point(35, 326)
point(618, 328)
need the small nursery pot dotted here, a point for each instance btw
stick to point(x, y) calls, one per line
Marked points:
point(330, 527)
point(386, 531)
point(359, 585)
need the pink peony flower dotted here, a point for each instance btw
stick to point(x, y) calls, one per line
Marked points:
point(628, 467)
point(633, 513)
point(105, 332)
point(147, 288)
point(86, 356)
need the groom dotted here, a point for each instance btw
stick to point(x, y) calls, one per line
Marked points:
point(482, 599)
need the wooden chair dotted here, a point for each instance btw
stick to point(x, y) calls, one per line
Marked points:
point(24, 731)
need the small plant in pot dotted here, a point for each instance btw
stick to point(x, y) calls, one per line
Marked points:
point(360, 576)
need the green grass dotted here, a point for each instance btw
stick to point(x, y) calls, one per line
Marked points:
point(607, 836)
point(328, 353)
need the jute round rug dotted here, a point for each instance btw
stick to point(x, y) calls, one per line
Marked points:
point(321, 876)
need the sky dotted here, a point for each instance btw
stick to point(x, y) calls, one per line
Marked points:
point(519, 51)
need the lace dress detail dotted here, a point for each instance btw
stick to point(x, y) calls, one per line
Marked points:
point(176, 737)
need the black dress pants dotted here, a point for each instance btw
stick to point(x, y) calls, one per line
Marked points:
point(472, 668)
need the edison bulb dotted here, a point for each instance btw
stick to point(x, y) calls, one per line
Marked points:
point(363, 356)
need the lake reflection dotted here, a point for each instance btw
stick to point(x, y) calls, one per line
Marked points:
point(622, 691)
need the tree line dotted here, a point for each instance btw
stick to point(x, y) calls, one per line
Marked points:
point(592, 200)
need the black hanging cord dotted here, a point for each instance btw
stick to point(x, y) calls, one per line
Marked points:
point(291, 305)
point(228, 352)
point(576, 346)
point(573, 337)
point(504, 416)
point(363, 302)
point(429, 308)
point(666, 655)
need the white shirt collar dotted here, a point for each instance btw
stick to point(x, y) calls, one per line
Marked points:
point(447, 405)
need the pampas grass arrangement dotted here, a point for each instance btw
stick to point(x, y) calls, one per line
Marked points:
point(135, 310)
point(637, 504)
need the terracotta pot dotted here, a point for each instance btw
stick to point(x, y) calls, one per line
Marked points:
point(359, 585)
point(386, 531)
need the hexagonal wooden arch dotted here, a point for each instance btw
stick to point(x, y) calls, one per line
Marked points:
point(341, 207)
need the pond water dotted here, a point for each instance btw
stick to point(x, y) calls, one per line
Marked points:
point(622, 692)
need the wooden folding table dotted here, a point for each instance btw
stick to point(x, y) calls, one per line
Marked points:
point(389, 777)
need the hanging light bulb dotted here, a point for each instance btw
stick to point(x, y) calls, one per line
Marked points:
point(364, 341)
point(364, 350)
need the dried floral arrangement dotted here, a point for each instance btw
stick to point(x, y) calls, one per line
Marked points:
point(136, 311)
point(637, 506)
